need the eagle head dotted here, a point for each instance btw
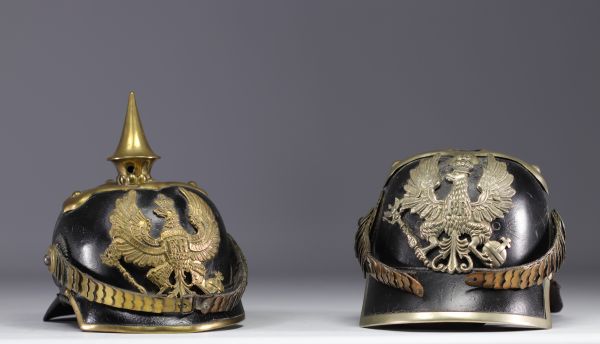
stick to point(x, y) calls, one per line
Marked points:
point(461, 165)
point(165, 207)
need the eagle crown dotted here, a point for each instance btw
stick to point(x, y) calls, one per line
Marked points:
point(461, 167)
point(166, 210)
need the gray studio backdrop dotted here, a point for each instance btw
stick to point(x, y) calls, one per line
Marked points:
point(290, 113)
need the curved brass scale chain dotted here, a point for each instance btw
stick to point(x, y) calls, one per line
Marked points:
point(530, 274)
point(374, 267)
point(77, 282)
point(456, 227)
point(176, 256)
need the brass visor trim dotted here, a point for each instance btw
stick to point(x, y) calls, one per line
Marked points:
point(464, 317)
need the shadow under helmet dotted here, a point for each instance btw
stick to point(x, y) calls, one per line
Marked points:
point(461, 237)
point(138, 255)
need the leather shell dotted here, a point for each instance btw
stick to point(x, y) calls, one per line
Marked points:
point(82, 235)
point(449, 293)
point(526, 224)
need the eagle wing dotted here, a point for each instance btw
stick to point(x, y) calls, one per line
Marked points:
point(419, 194)
point(205, 243)
point(130, 232)
point(496, 192)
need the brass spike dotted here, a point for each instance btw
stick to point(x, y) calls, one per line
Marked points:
point(133, 156)
point(133, 142)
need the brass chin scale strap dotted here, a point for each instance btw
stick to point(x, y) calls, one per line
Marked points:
point(527, 275)
point(517, 277)
point(379, 271)
point(77, 282)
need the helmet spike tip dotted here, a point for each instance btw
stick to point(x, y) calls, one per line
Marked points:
point(133, 156)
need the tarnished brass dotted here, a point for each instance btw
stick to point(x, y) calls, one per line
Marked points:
point(447, 221)
point(96, 291)
point(528, 275)
point(381, 272)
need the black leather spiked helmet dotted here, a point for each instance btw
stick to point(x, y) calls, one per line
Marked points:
point(461, 237)
point(138, 255)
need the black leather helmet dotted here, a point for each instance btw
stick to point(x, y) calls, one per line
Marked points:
point(138, 255)
point(461, 237)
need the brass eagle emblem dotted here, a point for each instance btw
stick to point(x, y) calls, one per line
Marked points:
point(176, 257)
point(456, 226)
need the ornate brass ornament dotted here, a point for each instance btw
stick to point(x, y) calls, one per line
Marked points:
point(172, 255)
point(456, 226)
point(533, 169)
point(133, 157)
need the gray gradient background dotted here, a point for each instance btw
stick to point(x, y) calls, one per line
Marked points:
point(291, 113)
